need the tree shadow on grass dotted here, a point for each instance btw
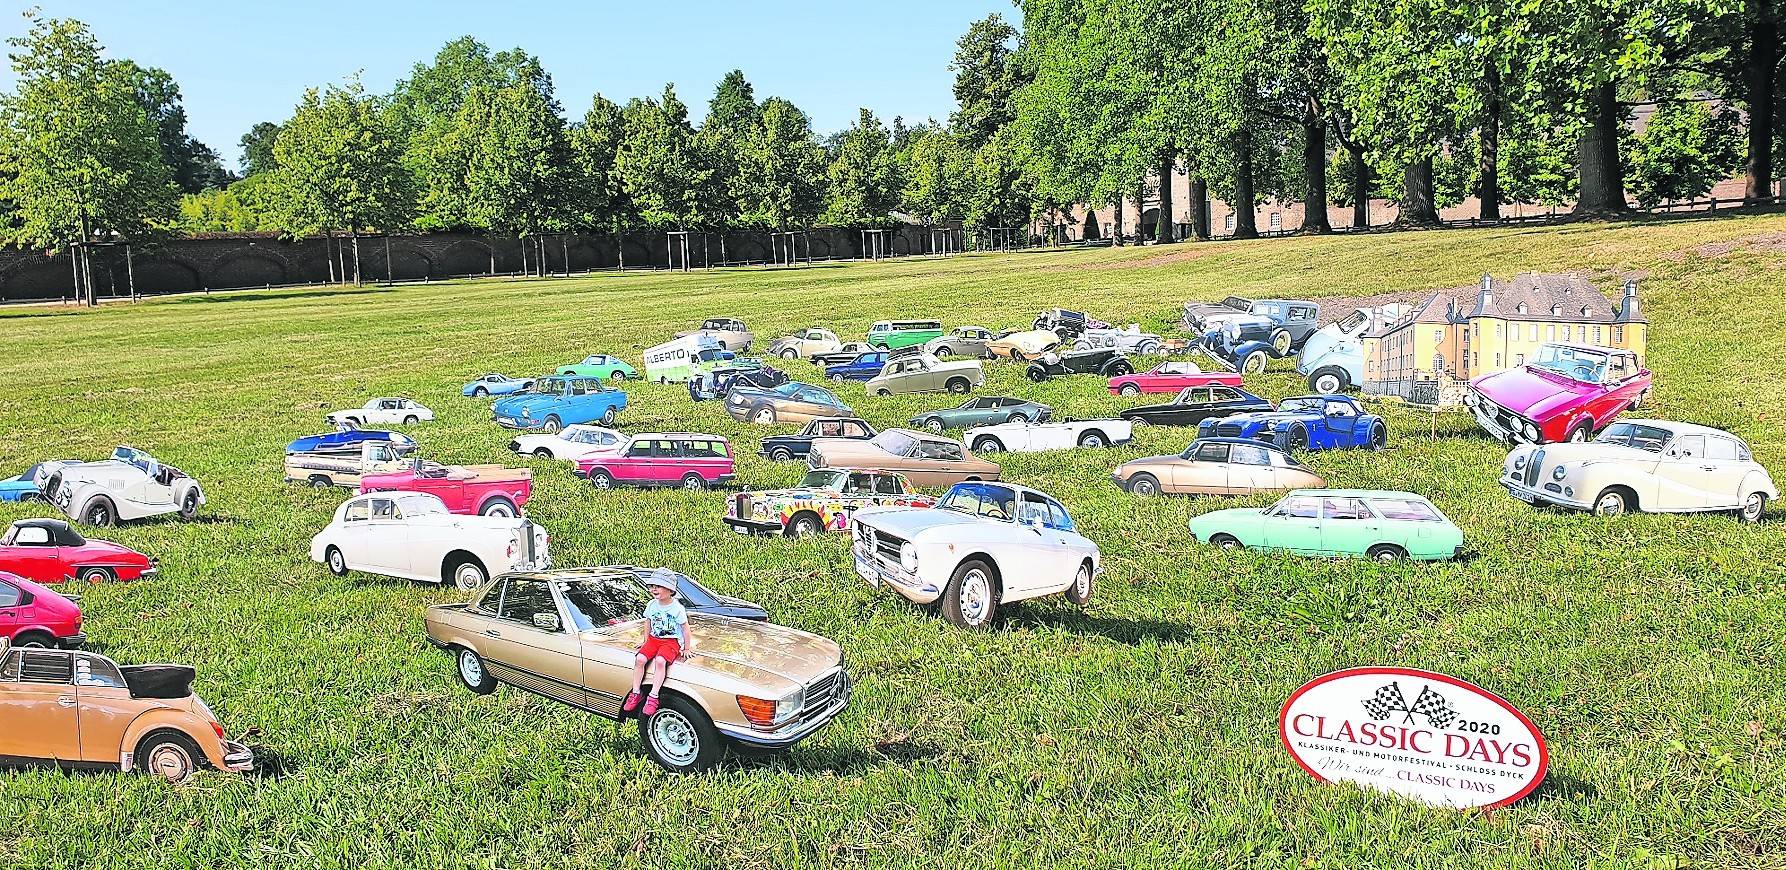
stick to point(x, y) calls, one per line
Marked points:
point(263, 295)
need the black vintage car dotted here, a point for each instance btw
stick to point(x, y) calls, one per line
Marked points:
point(1067, 324)
point(786, 448)
point(1193, 405)
point(718, 383)
point(1105, 361)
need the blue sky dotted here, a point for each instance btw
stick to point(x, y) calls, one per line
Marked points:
point(249, 60)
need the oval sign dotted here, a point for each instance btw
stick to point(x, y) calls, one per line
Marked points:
point(1414, 733)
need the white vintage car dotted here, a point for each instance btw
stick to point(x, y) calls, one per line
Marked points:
point(389, 410)
point(983, 545)
point(1021, 437)
point(805, 343)
point(1127, 340)
point(411, 535)
point(571, 443)
point(923, 373)
point(1656, 466)
point(130, 485)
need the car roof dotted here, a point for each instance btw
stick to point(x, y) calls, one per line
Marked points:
point(1006, 484)
point(1359, 493)
point(1286, 301)
point(1250, 442)
point(618, 572)
point(1677, 427)
point(1597, 348)
point(679, 435)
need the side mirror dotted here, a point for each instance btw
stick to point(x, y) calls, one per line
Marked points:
point(547, 621)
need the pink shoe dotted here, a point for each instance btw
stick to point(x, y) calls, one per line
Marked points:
point(631, 703)
point(650, 706)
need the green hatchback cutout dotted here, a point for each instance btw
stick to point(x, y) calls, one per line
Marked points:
point(1382, 525)
point(601, 366)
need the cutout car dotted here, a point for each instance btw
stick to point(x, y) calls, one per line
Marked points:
point(1305, 423)
point(728, 331)
point(925, 459)
point(1067, 324)
point(1027, 345)
point(572, 443)
point(684, 459)
point(349, 441)
point(719, 383)
point(863, 368)
point(345, 468)
point(690, 356)
point(1199, 317)
point(1193, 405)
point(1333, 358)
point(1170, 377)
point(81, 709)
point(23, 486)
point(788, 403)
point(1128, 340)
point(600, 366)
point(1216, 466)
point(1655, 466)
point(823, 502)
point(805, 343)
point(1385, 526)
point(495, 384)
point(892, 334)
point(387, 411)
point(844, 353)
point(557, 402)
point(786, 448)
point(1109, 363)
point(961, 341)
point(983, 411)
point(51, 551)
point(923, 373)
point(485, 490)
point(1565, 392)
point(131, 485)
point(34, 616)
point(412, 535)
point(983, 546)
point(1022, 437)
point(571, 636)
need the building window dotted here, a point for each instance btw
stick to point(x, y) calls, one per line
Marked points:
point(1521, 308)
point(1596, 335)
point(1553, 332)
point(1497, 360)
point(1277, 221)
point(1438, 335)
point(1230, 221)
point(1497, 330)
point(1618, 335)
point(1466, 335)
point(1478, 356)
point(1519, 359)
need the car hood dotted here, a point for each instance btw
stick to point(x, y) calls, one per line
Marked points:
point(1148, 462)
point(908, 524)
point(746, 649)
point(1566, 452)
point(797, 493)
point(1530, 393)
point(1226, 515)
point(1252, 417)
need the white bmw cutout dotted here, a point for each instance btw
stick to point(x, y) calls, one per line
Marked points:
point(572, 443)
point(386, 411)
point(1021, 437)
point(411, 535)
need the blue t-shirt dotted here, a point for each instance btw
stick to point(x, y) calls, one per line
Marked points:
point(667, 620)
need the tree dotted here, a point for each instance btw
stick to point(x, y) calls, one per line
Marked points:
point(339, 165)
point(987, 77)
point(734, 121)
point(597, 199)
point(257, 148)
point(936, 168)
point(1683, 151)
point(864, 183)
point(734, 106)
point(659, 164)
point(196, 166)
point(781, 168)
point(246, 206)
point(81, 159)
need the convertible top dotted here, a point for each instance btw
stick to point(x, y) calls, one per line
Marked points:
point(61, 533)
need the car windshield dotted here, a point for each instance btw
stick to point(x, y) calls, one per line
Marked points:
point(1574, 363)
point(981, 500)
point(594, 601)
point(1651, 438)
point(1268, 309)
point(896, 443)
point(415, 505)
point(1303, 403)
point(823, 480)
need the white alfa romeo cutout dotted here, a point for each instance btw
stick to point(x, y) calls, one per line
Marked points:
point(1418, 734)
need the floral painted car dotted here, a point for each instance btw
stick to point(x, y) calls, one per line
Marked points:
point(1565, 392)
point(1656, 466)
point(1305, 423)
point(1385, 526)
point(601, 366)
point(51, 551)
point(684, 459)
point(1170, 377)
point(823, 502)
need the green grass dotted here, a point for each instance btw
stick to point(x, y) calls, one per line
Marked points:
point(1139, 732)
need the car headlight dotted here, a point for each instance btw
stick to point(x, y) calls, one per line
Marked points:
point(908, 557)
point(1559, 473)
point(1530, 430)
point(1519, 462)
point(1472, 399)
point(765, 713)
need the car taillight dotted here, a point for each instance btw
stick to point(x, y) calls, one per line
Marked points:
point(218, 727)
point(760, 711)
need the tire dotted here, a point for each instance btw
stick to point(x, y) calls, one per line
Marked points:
point(1640, 400)
point(499, 507)
point(321, 481)
point(35, 640)
point(1016, 418)
point(1036, 374)
point(480, 393)
point(1280, 342)
point(1225, 541)
point(170, 755)
point(1328, 381)
point(971, 600)
point(617, 376)
point(1295, 439)
point(1386, 553)
point(189, 505)
point(934, 424)
point(781, 454)
point(1612, 502)
point(411, 420)
point(988, 444)
point(1144, 485)
point(804, 524)
point(609, 415)
point(1148, 348)
point(336, 562)
point(680, 737)
point(601, 479)
point(1093, 438)
point(1119, 368)
point(883, 393)
point(1255, 363)
point(945, 350)
point(1129, 390)
point(553, 425)
point(1379, 436)
point(693, 482)
point(764, 415)
point(542, 453)
point(1580, 432)
point(465, 574)
point(958, 386)
point(1080, 592)
point(100, 512)
point(95, 575)
point(838, 379)
point(472, 673)
point(1753, 507)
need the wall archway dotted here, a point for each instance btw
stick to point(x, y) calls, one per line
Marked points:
point(248, 269)
point(465, 257)
point(167, 275)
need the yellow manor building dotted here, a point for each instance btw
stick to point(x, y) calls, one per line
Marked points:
point(1461, 332)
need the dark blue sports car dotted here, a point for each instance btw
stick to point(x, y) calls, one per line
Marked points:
point(1305, 423)
point(863, 368)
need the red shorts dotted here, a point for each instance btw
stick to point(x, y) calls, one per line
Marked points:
point(666, 647)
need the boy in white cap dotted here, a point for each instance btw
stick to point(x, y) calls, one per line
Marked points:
point(666, 640)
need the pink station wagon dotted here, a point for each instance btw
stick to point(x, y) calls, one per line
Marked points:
point(683, 459)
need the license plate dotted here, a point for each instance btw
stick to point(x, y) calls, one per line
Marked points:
point(867, 570)
point(1522, 495)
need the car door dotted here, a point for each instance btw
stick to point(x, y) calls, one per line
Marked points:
point(1293, 524)
point(1042, 550)
point(1623, 384)
point(1725, 470)
point(29, 552)
point(104, 707)
point(10, 605)
point(350, 535)
point(1341, 422)
point(1681, 476)
point(1189, 408)
point(607, 649)
point(1347, 525)
point(1249, 470)
point(532, 637)
point(38, 705)
point(634, 466)
point(385, 538)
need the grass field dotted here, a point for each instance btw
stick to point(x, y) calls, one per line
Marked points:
point(1138, 732)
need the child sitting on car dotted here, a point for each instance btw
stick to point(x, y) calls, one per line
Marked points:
point(666, 641)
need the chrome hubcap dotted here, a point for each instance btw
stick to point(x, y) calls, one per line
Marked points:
point(467, 577)
point(1144, 487)
point(1327, 384)
point(470, 668)
point(1082, 583)
point(336, 562)
point(674, 736)
point(975, 594)
point(170, 762)
point(1093, 441)
point(600, 481)
point(498, 510)
point(1611, 505)
point(691, 483)
point(1752, 506)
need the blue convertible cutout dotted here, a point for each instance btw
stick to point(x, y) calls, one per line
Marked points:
point(1305, 423)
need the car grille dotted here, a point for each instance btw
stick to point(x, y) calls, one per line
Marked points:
point(1532, 466)
point(887, 547)
point(1227, 430)
point(824, 690)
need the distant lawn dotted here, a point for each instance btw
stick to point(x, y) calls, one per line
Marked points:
point(1139, 732)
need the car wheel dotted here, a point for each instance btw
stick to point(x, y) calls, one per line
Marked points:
point(1581, 432)
point(1753, 507)
point(680, 737)
point(1386, 553)
point(934, 424)
point(1280, 342)
point(804, 524)
point(479, 393)
point(1080, 592)
point(1226, 542)
point(1129, 390)
point(100, 513)
point(336, 562)
point(466, 574)
point(542, 453)
point(764, 416)
point(1255, 362)
point(971, 599)
point(608, 416)
point(837, 379)
point(1327, 382)
point(1640, 400)
point(692, 481)
point(945, 350)
point(553, 425)
point(781, 454)
point(1036, 373)
point(1611, 503)
point(1016, 418)
point(34, 640)
point(96, 575)
point(321, 481)
point(601, 479)
point(1120, 368)
point(168, 754)
point(1295, 439)
point(959, 386)
point(473, 674)
point(1093, 438)
point(790, 353)
point(988, 444)
point(1379, 436)
point(1144, 485)
point(499, 507)
point(617, 376)
point(883, 393)
point(189, 505)
point(1148, 348)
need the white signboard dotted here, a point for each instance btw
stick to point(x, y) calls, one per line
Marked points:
point(1417, 734)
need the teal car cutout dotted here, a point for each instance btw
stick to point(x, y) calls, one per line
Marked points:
point(600, 365)
point(1377, 524)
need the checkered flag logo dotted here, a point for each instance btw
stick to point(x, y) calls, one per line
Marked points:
point(1435, 708)
point(1387, 700)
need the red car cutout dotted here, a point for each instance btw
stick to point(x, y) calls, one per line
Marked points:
point(688, 460)
point(33, 615)
point(51, 551)
point(489, 490)
point(1566, 392)
point(1170, 377)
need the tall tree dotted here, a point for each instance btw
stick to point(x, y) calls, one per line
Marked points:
point(734, 121)
point(598, 200)
point(196, 166)
point(734, 104)
point(508, 144)
point(81, 158)
point(987, 77)
point(865, 184)
point(257, 148)
point(339, 160)
point(781, 168)
point(936, 167)
point(660, 165)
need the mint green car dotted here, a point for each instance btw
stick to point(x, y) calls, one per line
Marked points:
point(1381, 525)
point(599, 366)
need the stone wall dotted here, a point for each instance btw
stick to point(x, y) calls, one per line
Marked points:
point(188, 265)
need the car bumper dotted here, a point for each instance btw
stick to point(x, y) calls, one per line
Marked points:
point(754, 527)
point(793, 732)
point(237, 757)
point(515, 423)
point(515, 446)
point(1121, 483)
point(73, 641)
point(1543, 494)
point(909, 587)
